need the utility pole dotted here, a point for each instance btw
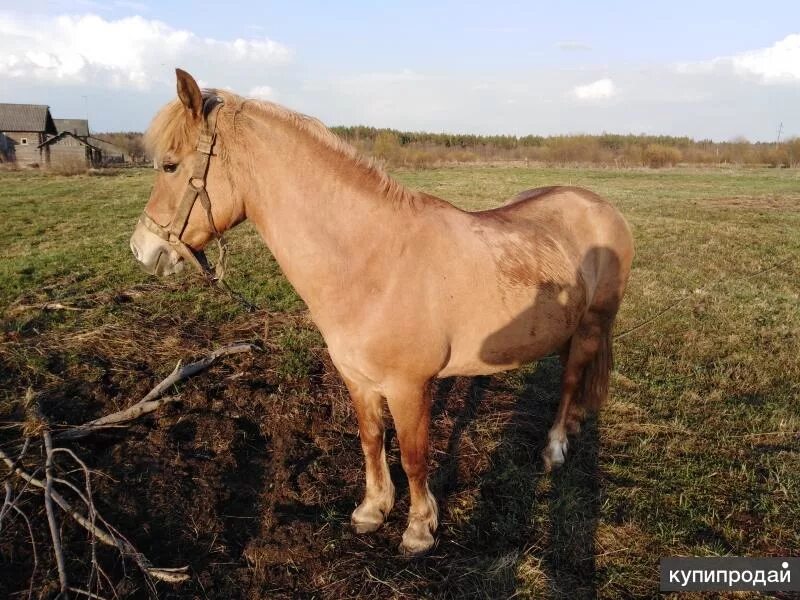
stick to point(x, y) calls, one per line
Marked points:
point(780, 131)
point(86, 107)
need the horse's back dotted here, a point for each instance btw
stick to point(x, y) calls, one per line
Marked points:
point(583, 213)
point(603, 232)
point(571, 229)
point(560, 194)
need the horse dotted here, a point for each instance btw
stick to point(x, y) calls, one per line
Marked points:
point(404, 287)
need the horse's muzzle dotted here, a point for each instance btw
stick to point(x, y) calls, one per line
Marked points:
point(155, 255)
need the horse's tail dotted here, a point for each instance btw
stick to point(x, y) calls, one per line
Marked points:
point(597, 372)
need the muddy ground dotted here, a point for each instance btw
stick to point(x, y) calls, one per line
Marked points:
point(250, 479)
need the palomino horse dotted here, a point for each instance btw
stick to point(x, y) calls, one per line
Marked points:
point(403, 286)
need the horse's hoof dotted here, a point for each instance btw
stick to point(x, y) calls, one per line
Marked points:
point(365, 527)
point(366, 519)
point(417, 539)
point(416, 544)
point(555, 454)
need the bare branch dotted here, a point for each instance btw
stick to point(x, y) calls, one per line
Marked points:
point(187, 371)
point(88, 499)
point(98, 528)
point(55, 535)
point(86, 593)
point(117, 419)
point(22, 514)
point(47, 306)
point(124, 546)
point(6, 504)
point(153, 400)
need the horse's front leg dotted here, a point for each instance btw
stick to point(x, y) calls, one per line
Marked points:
point(379, 496)
point(410, 405)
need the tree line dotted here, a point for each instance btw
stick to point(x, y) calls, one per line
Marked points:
point(408, 148)
point(422, 148)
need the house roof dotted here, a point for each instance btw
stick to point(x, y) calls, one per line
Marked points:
point(64, 134)
point(79, 127)
point(26, 117)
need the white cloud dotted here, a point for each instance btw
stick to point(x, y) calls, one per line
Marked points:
point(597, 90)
point(124, 53)
point(777, 64)
point(124, 69)
point(262, 92)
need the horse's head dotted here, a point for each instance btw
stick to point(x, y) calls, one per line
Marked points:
point(192, 200)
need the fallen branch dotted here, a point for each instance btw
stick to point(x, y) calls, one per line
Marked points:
point(55, 535)
point(117, 419)
point(186, 371)
point(121, 544)
point(99, 529)
point(11, 504)
point(47, 306)
point(86, 593)
point(152, 400)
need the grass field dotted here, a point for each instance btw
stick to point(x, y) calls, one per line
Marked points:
point(251, 479)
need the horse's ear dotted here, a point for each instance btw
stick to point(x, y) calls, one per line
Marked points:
point(189, 93)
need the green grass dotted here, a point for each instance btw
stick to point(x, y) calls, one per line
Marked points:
point(697, 453)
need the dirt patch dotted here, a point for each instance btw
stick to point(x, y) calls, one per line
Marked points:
point(251, 478)
point(778, 203)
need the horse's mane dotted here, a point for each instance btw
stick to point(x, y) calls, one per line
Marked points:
point(171, 131)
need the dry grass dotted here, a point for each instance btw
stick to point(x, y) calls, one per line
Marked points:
point(697, 453)
point(68, 165)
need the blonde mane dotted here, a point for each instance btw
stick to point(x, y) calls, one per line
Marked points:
point(172, 132)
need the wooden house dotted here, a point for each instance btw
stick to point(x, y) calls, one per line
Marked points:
point(23, 130)
point(29, 136)
point(69, 150)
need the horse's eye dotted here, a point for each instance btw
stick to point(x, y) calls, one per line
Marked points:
point(169, 167)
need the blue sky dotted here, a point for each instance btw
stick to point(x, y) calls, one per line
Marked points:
point(703, 69)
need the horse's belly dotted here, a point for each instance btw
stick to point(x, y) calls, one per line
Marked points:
point(489, 343)
point(501, 360)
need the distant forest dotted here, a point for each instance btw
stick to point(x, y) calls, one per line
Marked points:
point(131, 142)
point(421, 149)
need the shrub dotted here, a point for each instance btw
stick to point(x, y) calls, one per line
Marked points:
point(656, 156)
point(386, 146)
point(793, 152)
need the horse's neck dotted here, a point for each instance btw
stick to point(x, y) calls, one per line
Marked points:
point(324, 218)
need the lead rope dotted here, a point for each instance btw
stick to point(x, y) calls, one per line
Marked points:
point(219, 274)
point(743, 277)
point(705, 288)
point(217, 280)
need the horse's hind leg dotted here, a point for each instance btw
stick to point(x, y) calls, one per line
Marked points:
point(576, 412)
point(584, 381)
point(379, 496)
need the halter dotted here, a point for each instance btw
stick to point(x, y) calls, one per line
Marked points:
point(195, 188)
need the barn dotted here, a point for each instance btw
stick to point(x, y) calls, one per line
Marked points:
point(69, 150)
point(23, 130)
point(29, 136)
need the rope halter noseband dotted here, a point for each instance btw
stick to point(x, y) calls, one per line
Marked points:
point(195, 188)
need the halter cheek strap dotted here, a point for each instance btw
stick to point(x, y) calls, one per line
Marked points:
point(195, 188)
